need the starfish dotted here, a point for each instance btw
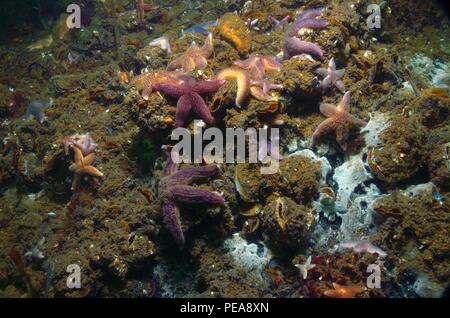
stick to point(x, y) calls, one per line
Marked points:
point(307, 20)
point(83, 142)
point(82, 166)
point(142, 7)
point(279, 24)
point(332, 76)
point(147, 80)
point(188, 92)
point(175, 188)
point(339, 120)
point(260, 90)
point(341, 291)
point(363, 247)
point(243, 82)
point(35, 251)
point(194, 58)
point(257, 65)
point(37, 109)
point(304, 268)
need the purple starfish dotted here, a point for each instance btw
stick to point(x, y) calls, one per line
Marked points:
point(188, 93)
point(175, 188)
point(332, 76)
point(279, 24)
point(293, 45)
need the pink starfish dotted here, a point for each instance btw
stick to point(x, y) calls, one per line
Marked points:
point(339, 120)
point(257, 65)
point(332, 76)
point(188, 92)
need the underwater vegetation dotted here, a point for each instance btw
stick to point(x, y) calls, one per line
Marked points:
point(87, 177)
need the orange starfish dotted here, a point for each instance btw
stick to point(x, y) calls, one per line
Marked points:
point(142, 7)
point(341, 291)
point(339, 120)
point(194, 58)
point(83, 166)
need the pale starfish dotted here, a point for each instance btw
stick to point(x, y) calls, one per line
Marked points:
point(163, 43)
point(147, 80)
point(83, 166)
point(341, 291)
point(260, 89)
point(363, 247)
point(332, 76)
point(243, 82)
point(339, 120)
point(194, 58)
point(304, 268)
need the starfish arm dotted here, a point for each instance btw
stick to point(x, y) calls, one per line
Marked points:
point(200, 108)
point(324, 128)
point(356, 122)
point(76, 181)
point(88, 160)
point(184, 107)
point(340, 73)
point(258, 93)
point(340, 86)
point(171, 218)
point(342, 133)
point(148, 88)
point(90, 170)
point(246, 64)
point(207, 48)
point(194, 174)
point(328, 110)
point(344, 105)
point(74, 167)
point(243, 83)
point(190, 195)
point(271, 63)
point(295, 46)
point(176, 63)
point(206, 87)
point(200, 62)
point(171, 90)
point(171, 167)
point(326, 83)
point(311, 13)
point(189, 63)
point(78, 155)
point(321, 71)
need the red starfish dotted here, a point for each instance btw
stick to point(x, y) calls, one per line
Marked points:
point(143, 7)
point(188, 92)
